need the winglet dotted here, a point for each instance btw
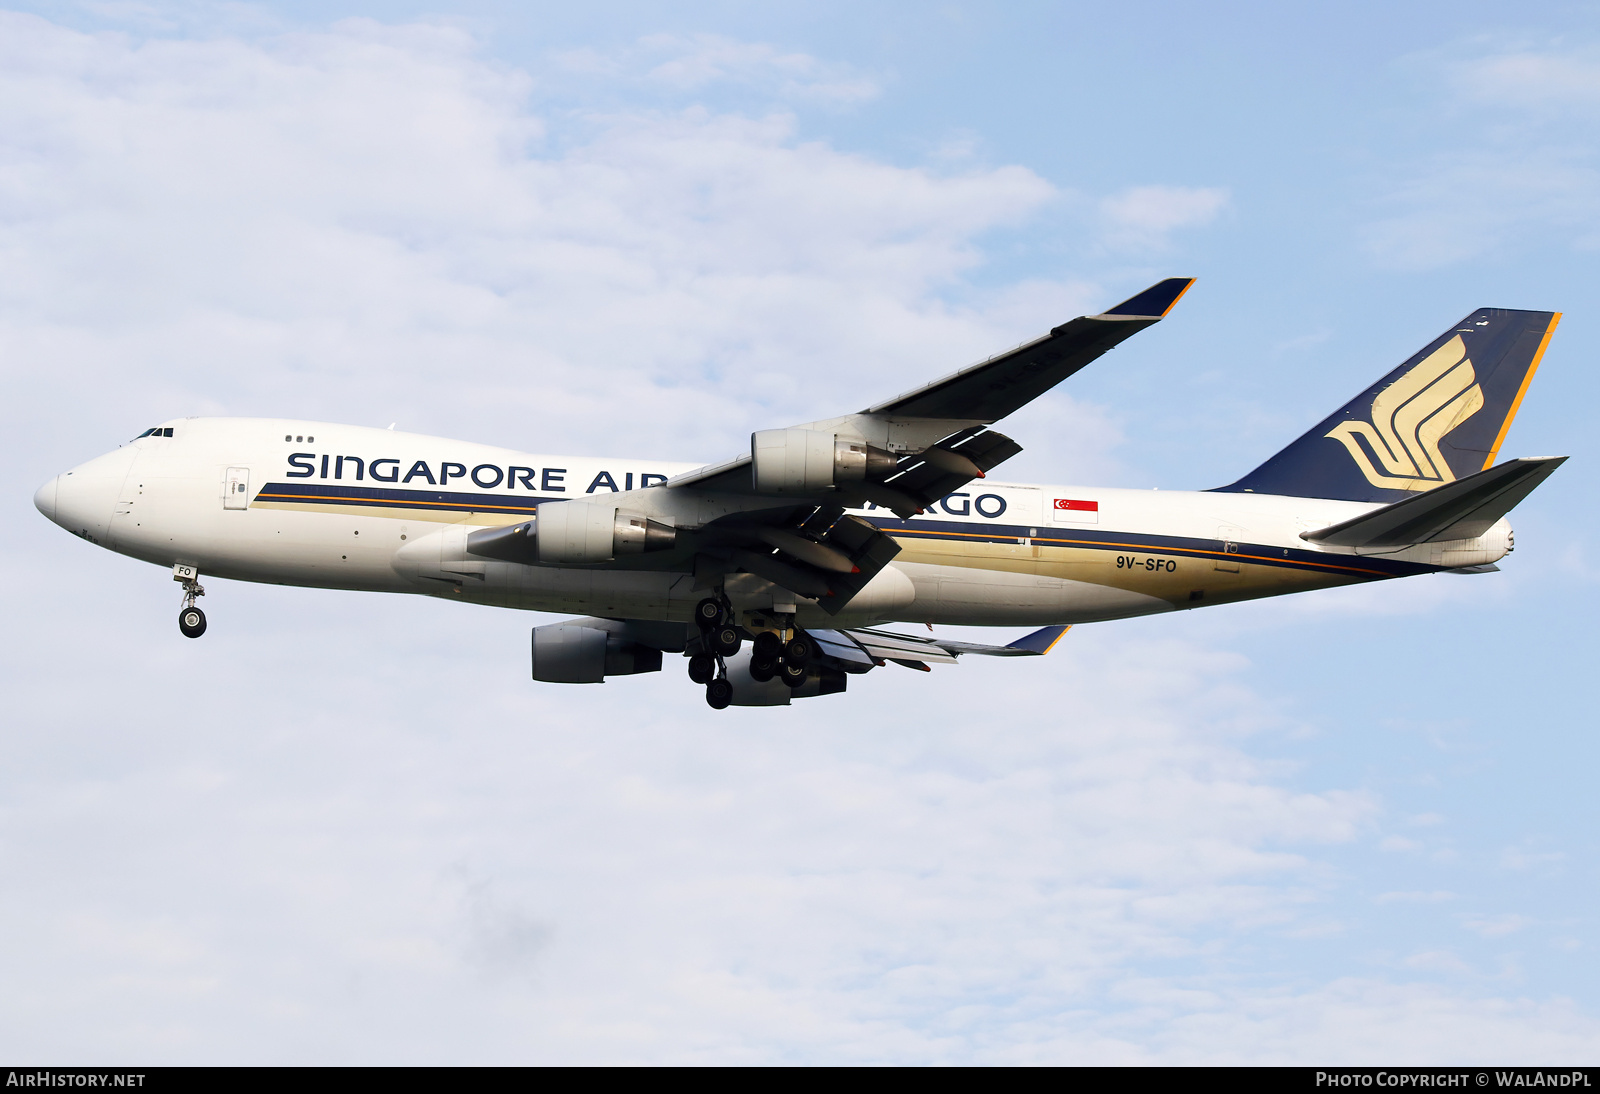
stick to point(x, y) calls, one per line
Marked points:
point(1156, 301)
point(1041, 641)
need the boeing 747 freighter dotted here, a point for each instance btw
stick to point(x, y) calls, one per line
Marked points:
point(773, 574)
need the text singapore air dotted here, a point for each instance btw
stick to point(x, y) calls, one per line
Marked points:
point(774, 572)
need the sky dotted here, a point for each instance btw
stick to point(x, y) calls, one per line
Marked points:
point(1355, 826)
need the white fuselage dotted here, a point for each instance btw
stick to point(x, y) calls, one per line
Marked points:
point(348, 507)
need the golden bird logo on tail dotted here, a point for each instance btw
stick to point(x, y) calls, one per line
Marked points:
point(1409, 419)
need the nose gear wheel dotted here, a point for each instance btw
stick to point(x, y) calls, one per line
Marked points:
point(192, 622)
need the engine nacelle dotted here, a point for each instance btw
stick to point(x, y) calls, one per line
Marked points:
point(581, 532)
point(565, 532)
point(804, 461)
point(570, 653)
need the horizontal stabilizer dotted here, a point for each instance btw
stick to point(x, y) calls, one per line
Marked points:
point(1464, 509)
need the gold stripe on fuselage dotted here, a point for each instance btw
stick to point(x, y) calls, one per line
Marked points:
point(435, 515)
point(1144, 568)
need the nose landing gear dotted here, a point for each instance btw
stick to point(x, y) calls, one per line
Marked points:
point(191, 620)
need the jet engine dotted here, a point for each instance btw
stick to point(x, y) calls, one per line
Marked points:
point(572, 653)
point(574, 531)
point(804, 461)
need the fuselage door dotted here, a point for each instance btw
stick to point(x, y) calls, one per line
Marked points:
point(237, 495)
point(1228, 560)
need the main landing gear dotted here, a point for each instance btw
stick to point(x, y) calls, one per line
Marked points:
point(714, 617)
point(789, 661)
point(785, 653)
point(191, 620)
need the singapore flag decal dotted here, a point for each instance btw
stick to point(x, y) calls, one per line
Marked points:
point(1081, 512)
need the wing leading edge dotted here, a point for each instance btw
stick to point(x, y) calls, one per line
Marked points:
point(992, 389)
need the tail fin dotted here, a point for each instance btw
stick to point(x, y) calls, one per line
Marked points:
point(1439, 417)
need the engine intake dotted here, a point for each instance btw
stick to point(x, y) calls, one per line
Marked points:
point(804, 461)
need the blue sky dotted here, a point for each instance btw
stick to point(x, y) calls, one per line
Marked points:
point(1351, 826)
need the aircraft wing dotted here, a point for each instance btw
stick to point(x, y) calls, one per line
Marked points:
point(781, 508)
point(779, 512)
point(958, 405)
point(587, 651)
point(865, 648)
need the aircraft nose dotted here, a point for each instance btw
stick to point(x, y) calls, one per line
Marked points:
point(44, 498)
point(82, 500)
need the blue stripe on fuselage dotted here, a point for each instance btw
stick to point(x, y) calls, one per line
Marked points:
point(418, 499)
point(1366, 568)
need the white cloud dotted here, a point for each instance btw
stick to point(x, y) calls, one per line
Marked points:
point(1461, 205)
point(1398, 843)
point(1529, 77)
point(1440, 961)
point(1521, 858)
point(1495, 926)
point(1146, 216)
point(698, 62)
point(374, 194)
point(695, 61)
point(1414, 897)
point(1527, 173)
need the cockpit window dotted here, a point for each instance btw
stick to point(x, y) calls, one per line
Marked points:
point(156, 431)
point(145, 434)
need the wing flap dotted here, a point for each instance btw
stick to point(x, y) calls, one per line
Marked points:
point(884, 646)
point(786, 548)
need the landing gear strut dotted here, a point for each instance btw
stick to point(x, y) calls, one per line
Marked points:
point(714, 617)
point(191, 620)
